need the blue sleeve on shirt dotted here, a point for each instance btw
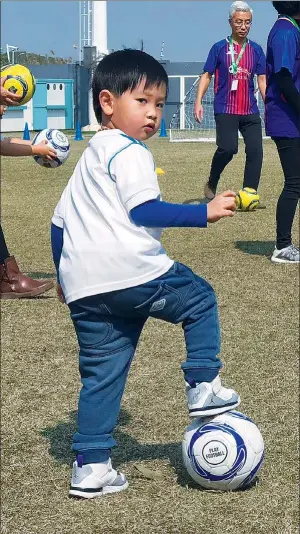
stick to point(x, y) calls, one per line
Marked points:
point(284, 47)
point(211, 62)
point(158, 214)
point(261, 66)
point(57, 245)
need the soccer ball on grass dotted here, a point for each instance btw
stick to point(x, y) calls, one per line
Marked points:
point(224, 452)
point(247, 199)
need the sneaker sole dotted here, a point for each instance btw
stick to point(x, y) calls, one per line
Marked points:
point(88, 493)
point(29, 294)
point(279, 260)
point(203, 412)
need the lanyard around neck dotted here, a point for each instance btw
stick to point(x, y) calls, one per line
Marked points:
point(235, 63)
point(293, 21)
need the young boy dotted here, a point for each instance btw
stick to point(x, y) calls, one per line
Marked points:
point(114, 272)
point(13, 283)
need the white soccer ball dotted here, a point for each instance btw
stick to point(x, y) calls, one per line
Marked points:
point(224, 452)
point(58, 141)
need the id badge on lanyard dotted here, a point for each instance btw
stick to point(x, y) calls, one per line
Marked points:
point(234, 85)
point(233, 69)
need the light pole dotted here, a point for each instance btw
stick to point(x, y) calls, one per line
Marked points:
point(21, 54)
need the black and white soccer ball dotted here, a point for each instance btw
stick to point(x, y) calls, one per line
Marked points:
point(59, 141)
point(224, 452)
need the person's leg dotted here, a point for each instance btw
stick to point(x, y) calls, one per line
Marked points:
point(14, 284)
point(289, 153)
point(250, 128)
point(4, 254)
point(182, 296)
point(227, 143)
point(106, 347)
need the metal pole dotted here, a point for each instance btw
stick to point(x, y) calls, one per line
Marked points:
point(79, 45)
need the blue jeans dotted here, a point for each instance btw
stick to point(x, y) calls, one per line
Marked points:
point(108, 327)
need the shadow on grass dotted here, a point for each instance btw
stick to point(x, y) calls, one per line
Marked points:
point(129, 450)
point(39, 297)
point(38, 275)
point(256, 248)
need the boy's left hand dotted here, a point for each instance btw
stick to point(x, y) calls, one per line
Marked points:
point(222, 205)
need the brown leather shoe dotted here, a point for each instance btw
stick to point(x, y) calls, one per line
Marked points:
point(15, 285)
point(209, 191)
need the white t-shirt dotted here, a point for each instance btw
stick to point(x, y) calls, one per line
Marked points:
point(103, 250)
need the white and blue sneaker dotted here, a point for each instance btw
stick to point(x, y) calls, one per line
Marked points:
point(96, 480)
point(288, 254)
point(210, 398)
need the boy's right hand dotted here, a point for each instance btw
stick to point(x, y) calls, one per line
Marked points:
point(43, 150)
point(222, 205)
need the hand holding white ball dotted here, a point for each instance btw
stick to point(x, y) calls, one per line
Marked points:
point(55, 140)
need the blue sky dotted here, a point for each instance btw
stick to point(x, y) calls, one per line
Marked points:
point(188, 28)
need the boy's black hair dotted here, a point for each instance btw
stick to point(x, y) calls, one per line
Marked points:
point(123, 70)
point(287, 8)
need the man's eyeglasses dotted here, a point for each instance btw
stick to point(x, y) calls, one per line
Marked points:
point(240, 24)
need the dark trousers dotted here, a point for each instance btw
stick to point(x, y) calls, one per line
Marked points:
point(289, 153)
point(228, 127)
point(4, 254)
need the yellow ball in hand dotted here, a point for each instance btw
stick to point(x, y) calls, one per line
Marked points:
point(19, 81)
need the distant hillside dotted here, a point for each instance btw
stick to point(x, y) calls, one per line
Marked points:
point(29, 58)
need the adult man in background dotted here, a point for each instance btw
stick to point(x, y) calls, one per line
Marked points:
point(235, 61)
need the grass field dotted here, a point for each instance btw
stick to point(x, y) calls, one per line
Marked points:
point(40, 382)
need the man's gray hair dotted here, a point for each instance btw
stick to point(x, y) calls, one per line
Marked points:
point(239, 6)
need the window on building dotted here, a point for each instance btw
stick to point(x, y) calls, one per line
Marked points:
point(48, 86)
point(54, 86)
point(60, 86)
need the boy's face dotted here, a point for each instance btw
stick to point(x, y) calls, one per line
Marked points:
point(137, 113)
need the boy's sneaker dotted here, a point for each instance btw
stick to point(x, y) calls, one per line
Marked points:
point(96, 480)
point(210, 398)
point(286, 255)
point(209, 191)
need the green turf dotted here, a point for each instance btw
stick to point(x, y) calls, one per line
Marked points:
point(40, 382)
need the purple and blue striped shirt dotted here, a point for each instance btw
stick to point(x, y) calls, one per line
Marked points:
point(241, 101)
point(283, 51)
